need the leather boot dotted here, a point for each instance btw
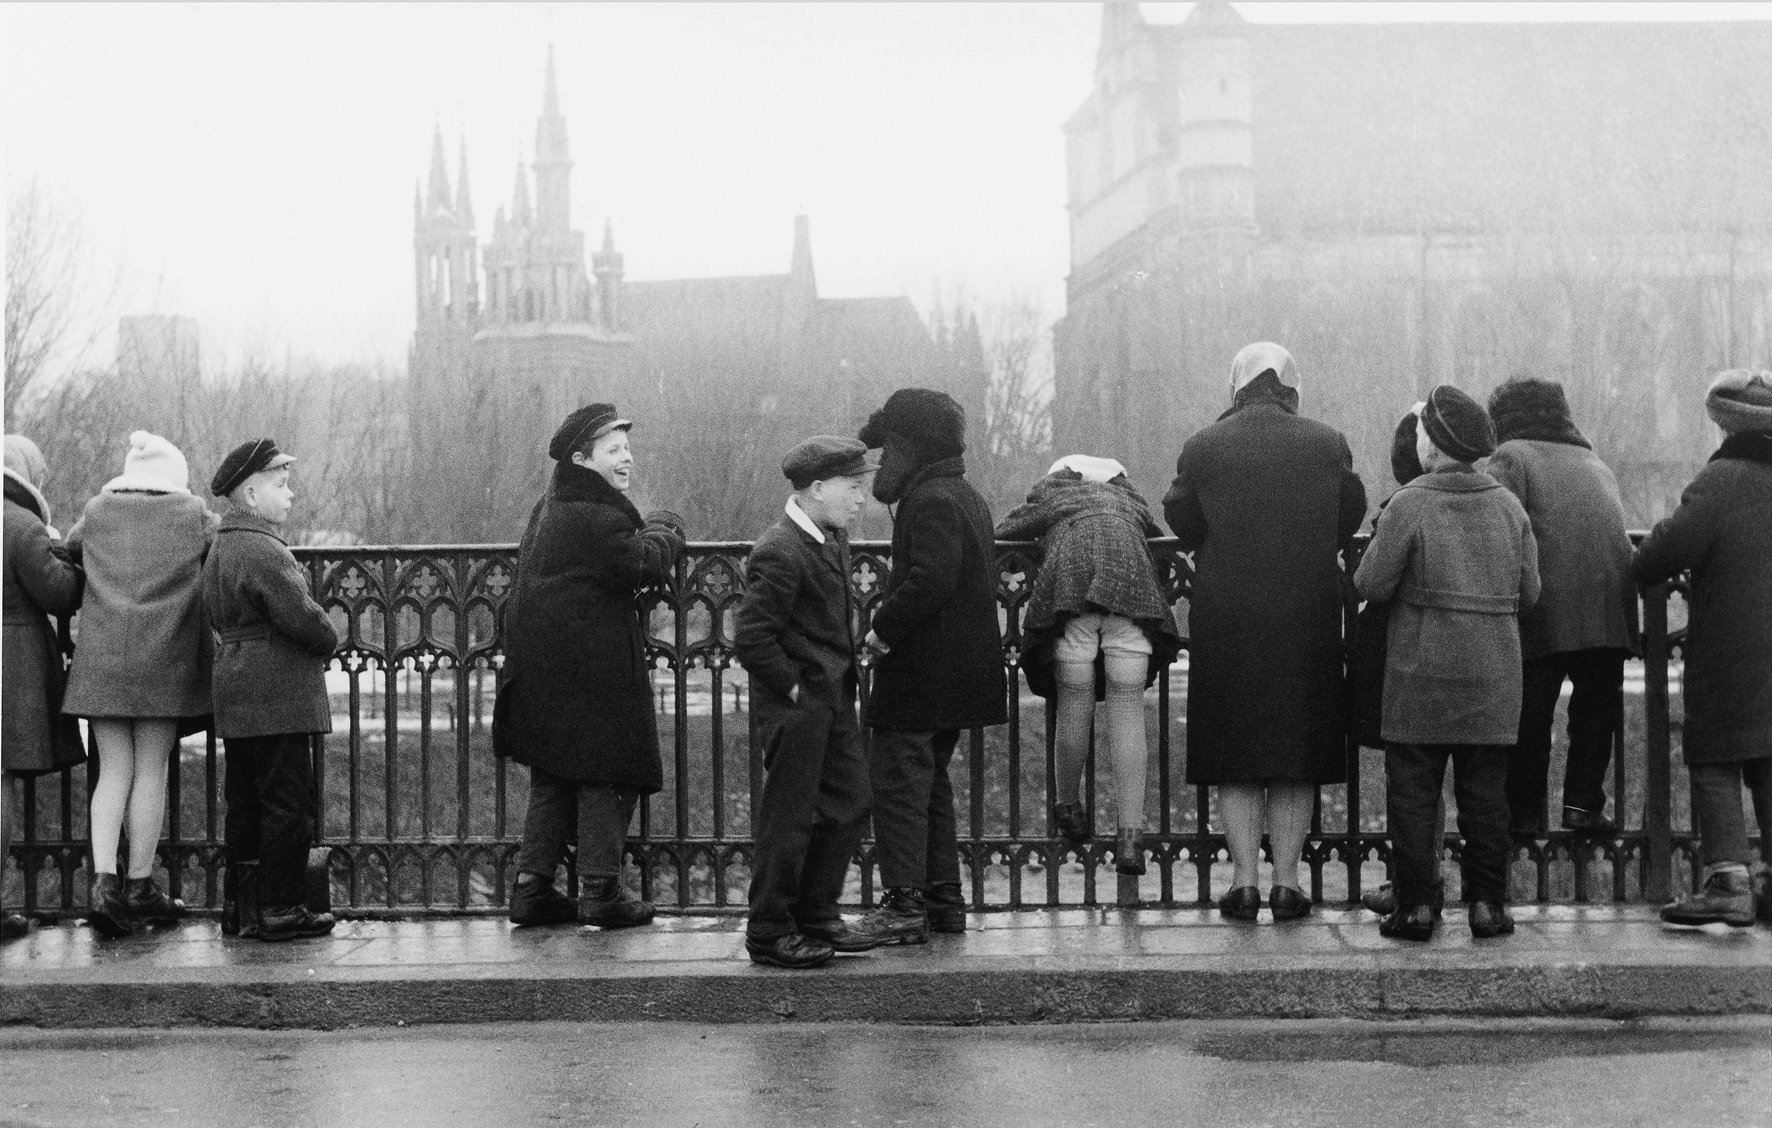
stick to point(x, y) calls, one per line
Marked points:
point(1073, 822)
point(1408, 922)
point(147, 903)
point(1727, 898)
point(1383, 900)
point(239, 914)
point(946, 906)
point(108, 913)
point(1490, 918)
point(293, 922)
point(534, 900)
point(606, 903)
point(902, 916)
point(13, 926)
point(1129, 852)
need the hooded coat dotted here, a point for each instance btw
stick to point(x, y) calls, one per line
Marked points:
point(40, 580)
point(1265, 500)
point(1093, 557)
point(1722, 534)
point(574, 696)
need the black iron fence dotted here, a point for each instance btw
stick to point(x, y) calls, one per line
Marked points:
point(421, 818)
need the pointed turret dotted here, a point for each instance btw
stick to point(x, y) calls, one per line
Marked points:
point(464, 205)
point(521, 215)
point(553, 159)
point(606, 266)
point(438, 200)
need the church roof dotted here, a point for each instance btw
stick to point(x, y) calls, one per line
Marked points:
point(681, 321)
point(1484, 127)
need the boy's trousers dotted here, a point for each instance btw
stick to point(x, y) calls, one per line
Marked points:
point(1414, 774)
point(270, 794)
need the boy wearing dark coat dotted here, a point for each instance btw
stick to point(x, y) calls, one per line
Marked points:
point(938, 657)
point(1722, 535)
point(794, 636)
point(269, 689)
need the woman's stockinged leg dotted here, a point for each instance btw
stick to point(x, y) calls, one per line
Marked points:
point(1075, 723)
point(1125, 734)
point(1242, 805)
point(155, 741)
point(1290, 804)
point(110, 799)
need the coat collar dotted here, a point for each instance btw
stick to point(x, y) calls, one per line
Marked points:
point(954, 467)
point(1457, 478)
point(573, 483)
point(236, 520)
point(1754, 446)
point(801, 521)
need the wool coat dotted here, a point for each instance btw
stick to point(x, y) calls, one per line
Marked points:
point(1722, 534)
point(1588, 599)
point(1265, 500)
point(1093, 558)
point(938, 613)
point(273, 639)
point(144, 647)
point(1454, 555)
point(574, 696)
point(40, 581)
point(794, 624)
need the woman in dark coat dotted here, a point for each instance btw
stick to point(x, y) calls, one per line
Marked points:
point(575, 698)
point(40, 581)
point(1722, 534)
point(1265, 499)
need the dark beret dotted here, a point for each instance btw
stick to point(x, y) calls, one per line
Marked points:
point(932, 420)
point(243, 462)
point(592, 421)
point(1405, 464)
point(1457, 424)
point(826, 456)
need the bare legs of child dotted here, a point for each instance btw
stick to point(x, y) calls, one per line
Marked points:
point(132, 759)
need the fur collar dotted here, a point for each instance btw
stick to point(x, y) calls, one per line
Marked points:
point(574, 483)
point(1751, 446)
point(27, 495)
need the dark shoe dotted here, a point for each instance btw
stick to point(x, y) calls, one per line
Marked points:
point(1129, 852)
point(1490, 918)
point(1528, 832)
point(1241, 903)
point(1761, 882)
point(902, 917)
point(789, 950)
point(109, 912)
point(293, 922)
point(534, 900)
point(1383, 900)
point(845, 937)
point(1587, 822)
point(13, 926)
point(1408, 922)
point(1727, 898)
point(147, 902)
point(1073, 822)
point(1288, 904)
point(606, 903)
point(946, 906)
point(239, 915)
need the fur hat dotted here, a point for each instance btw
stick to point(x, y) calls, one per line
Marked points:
point(152, 464)
point(1525, 408)
point(1091, 468)
point(932, 421)
point(1405, 463)
point(587, 424)
point(1457, 425)
point(1263, 356)
point(1740, 400)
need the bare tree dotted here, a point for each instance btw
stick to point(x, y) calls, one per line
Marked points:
point(45, 275)
point(1014, 336)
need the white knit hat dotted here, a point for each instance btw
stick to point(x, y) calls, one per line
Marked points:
point(1740, 400)
point(152, 464)
point(1091, 467)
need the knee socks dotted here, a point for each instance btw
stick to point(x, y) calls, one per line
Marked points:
point(1076, 720)
point(1125, 735)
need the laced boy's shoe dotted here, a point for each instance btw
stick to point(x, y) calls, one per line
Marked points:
point(845, 937)
point(1579, 821)
point(1490, 918)
point(946, 906)
point(902, 917)
point(108, 913)
point(605, 902)
point(293, 922)
point(1408, 922)
point(1129, 852)
point(534, 900)
point(790, 950)
point(1726, 898)
point(1073, 822)
point(147, 902)
point(1383, 900)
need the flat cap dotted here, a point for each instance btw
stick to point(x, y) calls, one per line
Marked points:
point(826, 456)
point(590, 422)
point(244, 461)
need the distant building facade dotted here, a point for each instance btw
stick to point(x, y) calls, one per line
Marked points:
point(717, 372)
point(1404, 205)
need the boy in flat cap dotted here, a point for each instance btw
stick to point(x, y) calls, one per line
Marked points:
point(794, 636)
point(270, 696)
point(940, 657)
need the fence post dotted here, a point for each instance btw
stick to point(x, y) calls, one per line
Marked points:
point(1657, 739)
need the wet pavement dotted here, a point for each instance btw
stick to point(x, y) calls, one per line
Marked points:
point(1057, 965)
point(1419, 1074)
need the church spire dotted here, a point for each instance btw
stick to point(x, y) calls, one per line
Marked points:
point(439, 193)
point(464, 205)
point(553, 159)
point(521, 216)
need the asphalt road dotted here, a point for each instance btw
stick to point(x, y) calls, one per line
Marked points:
point(1410, 1074)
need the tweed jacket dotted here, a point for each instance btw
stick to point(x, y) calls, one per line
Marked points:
point(274, 640)
point(40, 581)
point(1454, 554)
point(794, 624)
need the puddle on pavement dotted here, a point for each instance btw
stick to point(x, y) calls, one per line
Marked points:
point(1429, 1048)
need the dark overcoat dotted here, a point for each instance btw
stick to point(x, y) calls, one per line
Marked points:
point(1722, 533)
point(574, 696)
point(273, 640)
point(939, 611)
point(144, 647)
point(1265, 500)
point(794, 624)
point(40, 581)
